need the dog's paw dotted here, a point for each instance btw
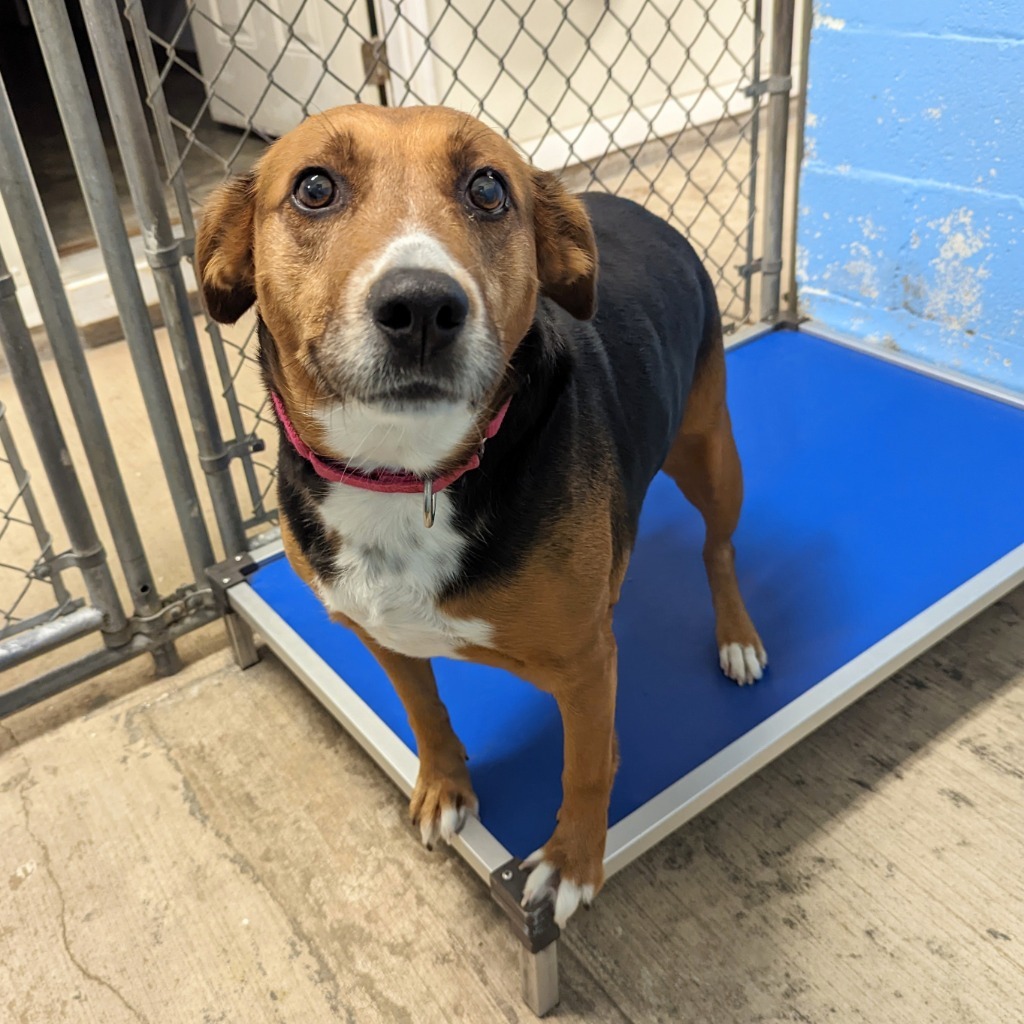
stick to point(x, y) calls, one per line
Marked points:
point(744, 663)
point(441, 802)
point(567, 886)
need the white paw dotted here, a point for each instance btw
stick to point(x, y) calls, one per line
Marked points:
point(743, 663)
point(446, 825)
point(545, 882)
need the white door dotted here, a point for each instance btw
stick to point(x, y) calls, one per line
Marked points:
point(267, 64)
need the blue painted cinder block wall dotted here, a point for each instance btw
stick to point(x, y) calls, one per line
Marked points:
point(911, 206)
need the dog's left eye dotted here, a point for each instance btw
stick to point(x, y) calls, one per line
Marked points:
point(314, 190)
point(487, 191)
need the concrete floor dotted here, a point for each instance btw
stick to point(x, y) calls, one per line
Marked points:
point(213, 848)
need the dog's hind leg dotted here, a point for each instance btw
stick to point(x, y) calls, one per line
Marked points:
point(704, 462)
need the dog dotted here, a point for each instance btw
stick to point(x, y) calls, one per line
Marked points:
point(477, 375)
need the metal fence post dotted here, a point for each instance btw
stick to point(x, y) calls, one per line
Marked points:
point(755, 130)
point(173, 166)
point(25, 210)
point(779, 89)
point(60, 53)
point(106, 32)
point(87, 552)
point(803, 41)
point(157, 103)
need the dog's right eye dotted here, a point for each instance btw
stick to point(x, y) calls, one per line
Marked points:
point(314, 189)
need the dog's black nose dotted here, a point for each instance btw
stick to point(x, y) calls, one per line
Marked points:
point(419, 311)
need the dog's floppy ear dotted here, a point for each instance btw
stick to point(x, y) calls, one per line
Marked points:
point(224, 260)
point(566, 250)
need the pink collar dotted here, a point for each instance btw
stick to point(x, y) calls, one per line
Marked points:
point(380, 480)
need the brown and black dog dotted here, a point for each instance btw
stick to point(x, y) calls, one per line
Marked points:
point(420, 289)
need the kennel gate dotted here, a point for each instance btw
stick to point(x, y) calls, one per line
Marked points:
point(661, 100)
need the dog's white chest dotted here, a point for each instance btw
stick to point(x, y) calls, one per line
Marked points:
point(391, 570)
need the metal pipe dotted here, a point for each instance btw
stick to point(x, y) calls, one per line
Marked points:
point(755, 136)
point(173, 166)
point(25, 209)
point(804, 43)
point(779, 88)
point(117, 77)
point(63, 678)
point(30, 384)
point(71, 91)
point(48, 635)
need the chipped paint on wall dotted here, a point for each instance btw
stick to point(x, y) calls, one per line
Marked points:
point(911, 229)
point(869, 229)
point(863, 271)
point(954, 295)
point(828, 22)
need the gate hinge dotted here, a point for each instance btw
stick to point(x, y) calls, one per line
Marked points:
point(159, 258)
point(759, 266)
point(184, 601)
point(534, 928)
point(375, 61)
point(231, 450)
point(771, 84)
point(81, 560)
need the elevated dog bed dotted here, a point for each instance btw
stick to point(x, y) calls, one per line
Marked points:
point(880, 513)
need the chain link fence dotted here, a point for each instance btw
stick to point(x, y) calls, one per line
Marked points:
point(657, 100)
point(32, 590)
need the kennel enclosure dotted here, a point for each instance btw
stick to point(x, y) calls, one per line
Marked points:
point(871, 527)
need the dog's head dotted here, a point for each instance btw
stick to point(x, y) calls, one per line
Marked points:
point(396, 256)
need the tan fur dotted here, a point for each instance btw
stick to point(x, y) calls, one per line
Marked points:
point(553, 626)
point(443, 779)
point(252, 243)
point(705, 465)
point(296, 558)
point(224, 250)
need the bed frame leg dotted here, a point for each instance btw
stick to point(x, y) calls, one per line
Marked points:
point(243, 645)
point(539, 972)
point(537, 934)
point(222, 577)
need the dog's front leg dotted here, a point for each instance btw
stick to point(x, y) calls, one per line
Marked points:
point(444, 794)
point(569, 867)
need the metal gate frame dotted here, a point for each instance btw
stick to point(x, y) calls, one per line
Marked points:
point(213, 591)
point(155, 620)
